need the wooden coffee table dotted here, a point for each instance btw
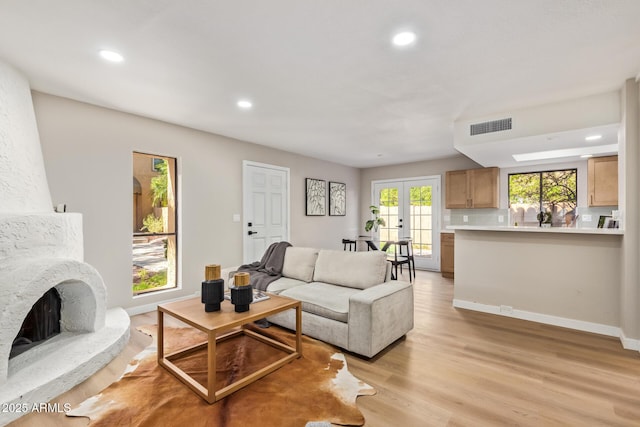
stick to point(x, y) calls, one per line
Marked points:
point(219, 326)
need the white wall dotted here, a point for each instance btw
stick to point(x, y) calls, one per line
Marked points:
point(629, 161)
point(88, 158)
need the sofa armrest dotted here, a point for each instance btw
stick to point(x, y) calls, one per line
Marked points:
point(379, 315)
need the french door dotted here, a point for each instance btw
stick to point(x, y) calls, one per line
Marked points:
point(411, 209)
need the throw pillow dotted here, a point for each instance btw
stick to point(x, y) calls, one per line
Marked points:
point(353, 269)
point(299, 263)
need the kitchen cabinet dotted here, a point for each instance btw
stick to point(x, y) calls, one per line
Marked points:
point(472, 188)
point(602, 178)
point(446, 254)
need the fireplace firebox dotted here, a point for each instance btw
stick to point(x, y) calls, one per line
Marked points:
point(41, 323)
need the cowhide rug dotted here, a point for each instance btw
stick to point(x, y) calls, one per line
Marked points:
point(315, 387)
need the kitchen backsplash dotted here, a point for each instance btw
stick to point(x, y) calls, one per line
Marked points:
point(586, 217)
point(489, 217)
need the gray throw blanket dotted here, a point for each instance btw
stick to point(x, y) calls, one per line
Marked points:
point(269, 268)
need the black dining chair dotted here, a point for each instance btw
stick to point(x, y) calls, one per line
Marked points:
point(402, 255)
point(405, 249)
point(350, 243)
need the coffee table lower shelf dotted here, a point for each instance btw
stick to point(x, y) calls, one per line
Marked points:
point(228, 324)
point(213, 395)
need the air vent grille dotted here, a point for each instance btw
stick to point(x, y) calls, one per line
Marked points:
point(493, 126)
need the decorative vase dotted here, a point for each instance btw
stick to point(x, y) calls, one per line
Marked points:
point(212, 288)
point(241, 292)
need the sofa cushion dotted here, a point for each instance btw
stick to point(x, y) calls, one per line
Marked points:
point(283, 284)
point(329, 301)
point(299, 263)
point(353, 269)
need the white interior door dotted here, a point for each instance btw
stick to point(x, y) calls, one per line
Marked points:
point(265, 208)
point(411, 208)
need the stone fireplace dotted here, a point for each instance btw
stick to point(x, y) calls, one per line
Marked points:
point(42, 250)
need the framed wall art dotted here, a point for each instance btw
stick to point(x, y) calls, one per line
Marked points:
point(316, 197)
point(337, 198)
point(603, 221)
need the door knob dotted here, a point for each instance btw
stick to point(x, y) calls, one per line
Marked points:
point(251, 232)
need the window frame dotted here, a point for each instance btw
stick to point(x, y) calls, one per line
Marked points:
point(540, 192)
point(176, 212)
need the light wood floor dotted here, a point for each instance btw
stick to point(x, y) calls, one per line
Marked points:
point(462, 368)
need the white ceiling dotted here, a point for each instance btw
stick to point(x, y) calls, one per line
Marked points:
point(323, 76)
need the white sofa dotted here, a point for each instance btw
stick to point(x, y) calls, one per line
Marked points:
point(348, 299)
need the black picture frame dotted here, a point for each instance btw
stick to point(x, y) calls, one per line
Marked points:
point(316, 197)
point(337, 198)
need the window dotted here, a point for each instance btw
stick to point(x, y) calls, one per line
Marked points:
point(543, 197)
point(154, 223)
point(156, 163)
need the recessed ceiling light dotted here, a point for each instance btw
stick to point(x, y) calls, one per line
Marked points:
point(244, 104)
point(593, 137)
point(112, 56)
point(404, 38)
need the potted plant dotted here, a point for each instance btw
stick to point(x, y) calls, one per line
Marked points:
point(376, 222)
point(545, 219)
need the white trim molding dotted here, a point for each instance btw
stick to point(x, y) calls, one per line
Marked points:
point(147, 308)
point(578, 325)
point(629, 343)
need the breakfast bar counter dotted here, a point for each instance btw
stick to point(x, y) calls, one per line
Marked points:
point(528, 229)
point(565, 276)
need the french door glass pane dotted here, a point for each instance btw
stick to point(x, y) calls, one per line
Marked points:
point(389, 211)
point(421, 218)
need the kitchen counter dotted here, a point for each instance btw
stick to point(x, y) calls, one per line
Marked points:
point(568, 230)
point(563, 276)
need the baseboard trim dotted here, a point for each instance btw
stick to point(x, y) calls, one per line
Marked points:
point(146, 308)
point(579, 325)
point(629, 343)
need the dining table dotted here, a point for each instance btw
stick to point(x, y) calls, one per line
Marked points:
point(370, 243)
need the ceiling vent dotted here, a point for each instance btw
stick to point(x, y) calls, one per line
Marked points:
point(493, 126)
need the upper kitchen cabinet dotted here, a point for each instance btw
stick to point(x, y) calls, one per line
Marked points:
point(456, 188)
point(602, 175)
point(472, 188)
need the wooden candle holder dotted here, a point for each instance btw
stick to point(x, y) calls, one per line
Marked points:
point(241, 292)
point(212, 288)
